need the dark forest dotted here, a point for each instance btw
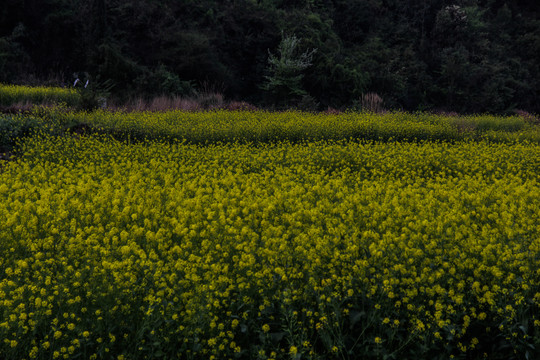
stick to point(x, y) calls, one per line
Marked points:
point(467, 56)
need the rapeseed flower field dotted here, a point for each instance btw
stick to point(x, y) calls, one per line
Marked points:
point(16, 94)
point(295, 247)
point(263, 126)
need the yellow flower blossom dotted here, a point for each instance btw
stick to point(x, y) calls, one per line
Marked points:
point(214, 240)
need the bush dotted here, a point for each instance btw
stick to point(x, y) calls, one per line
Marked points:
point(163, 82)
point(13, 127)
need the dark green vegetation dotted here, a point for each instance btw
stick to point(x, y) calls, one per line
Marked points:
point(460, 55)
point(222, 126)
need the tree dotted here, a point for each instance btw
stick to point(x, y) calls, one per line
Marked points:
point(285, 80)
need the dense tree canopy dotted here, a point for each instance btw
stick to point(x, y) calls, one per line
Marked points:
point(459, 55)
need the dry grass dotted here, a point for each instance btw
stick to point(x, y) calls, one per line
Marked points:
point(206, 101)
point(240, 106)
point(19, 107)
point(372, 102)
point(160, 103)
point(528, 117)
point(332, 111)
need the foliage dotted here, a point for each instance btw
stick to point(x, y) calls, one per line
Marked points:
point(465, 56)
point(284, 80)
point(164, 82)
point(93, 92)
point(12, 128)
